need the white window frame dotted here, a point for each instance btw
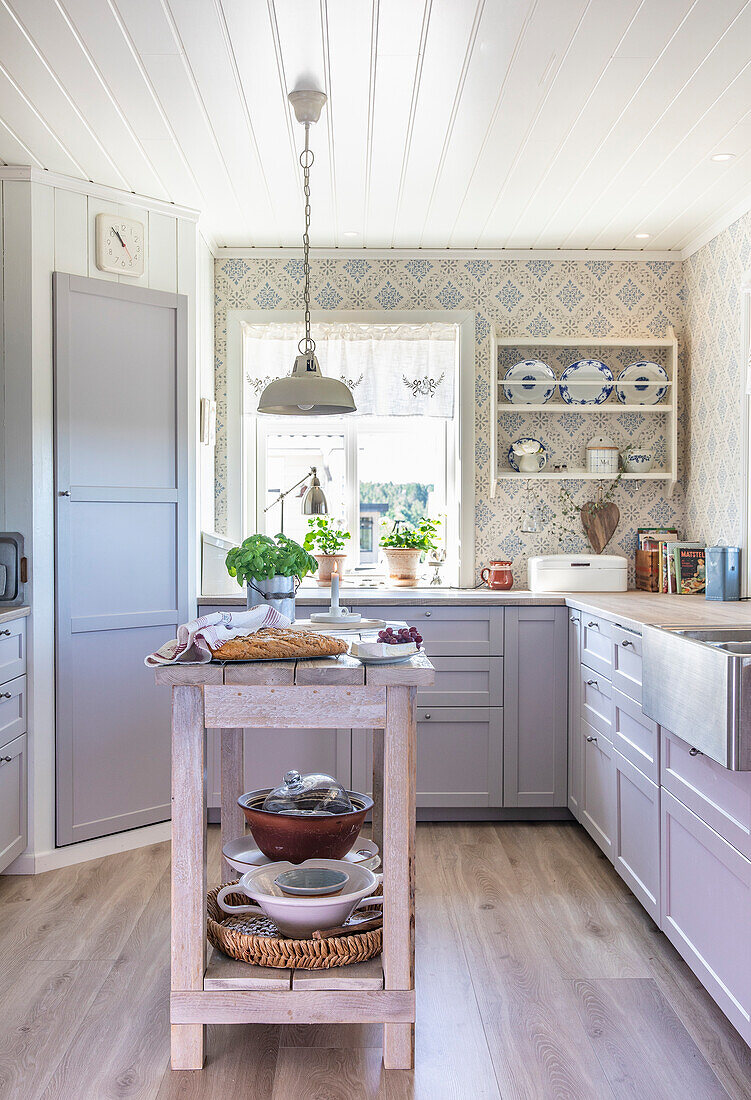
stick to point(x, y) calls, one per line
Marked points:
point(745, 504)
point(241, 435)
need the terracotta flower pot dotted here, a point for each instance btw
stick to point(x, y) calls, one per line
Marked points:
point(402, 563)
point(326, 563)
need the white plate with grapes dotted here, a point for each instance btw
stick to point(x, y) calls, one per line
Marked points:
point(392, 647)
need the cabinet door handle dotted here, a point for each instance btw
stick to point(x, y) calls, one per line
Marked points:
point(626, 642)
point(595, 625)
point(575, 619)
point(593, 683)
point(64, 493)
point(5, 632)
point(428, 614)
point(5, 695)
point(5, 759)
point(590, 737)
point(426, 716)
point(695, 752)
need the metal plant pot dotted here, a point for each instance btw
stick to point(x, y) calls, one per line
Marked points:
point(277, 591)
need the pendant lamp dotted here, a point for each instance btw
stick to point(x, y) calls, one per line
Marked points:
point(306, 392)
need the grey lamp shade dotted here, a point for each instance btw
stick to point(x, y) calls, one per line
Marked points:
point(306, 392)
point(314, 502)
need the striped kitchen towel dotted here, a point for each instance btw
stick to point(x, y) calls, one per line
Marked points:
point(197, 639)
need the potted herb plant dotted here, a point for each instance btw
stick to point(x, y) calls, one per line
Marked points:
point(328, 539)
point(271, 569)
point(404, 545)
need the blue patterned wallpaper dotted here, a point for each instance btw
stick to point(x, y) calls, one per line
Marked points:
point(535, 296)
point(714, 458)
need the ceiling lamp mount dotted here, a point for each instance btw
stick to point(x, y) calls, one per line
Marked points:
point(306, 392)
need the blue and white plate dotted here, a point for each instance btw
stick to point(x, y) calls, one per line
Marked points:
point(650, 379)
point(530, 382)
point(597, 379)
point(513, 460)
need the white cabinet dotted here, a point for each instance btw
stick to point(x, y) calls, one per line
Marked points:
point(596, 644)
point(574, 715)
point(13, 771)
point(597, 788)
point(626, 661)
point(13, 748)
point(636, 832)
point(706, 908)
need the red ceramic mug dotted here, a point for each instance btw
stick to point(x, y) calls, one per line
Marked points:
point(498, 575)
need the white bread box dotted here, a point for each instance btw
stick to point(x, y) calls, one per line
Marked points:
point(578, 573)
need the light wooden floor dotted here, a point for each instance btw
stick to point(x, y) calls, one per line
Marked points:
point(538, 976)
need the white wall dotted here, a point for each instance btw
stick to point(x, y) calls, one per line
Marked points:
point(48, 225)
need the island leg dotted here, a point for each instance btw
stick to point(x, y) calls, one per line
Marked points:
point(233, 819)
point(399, 781)
point(188, 939)
point(377, 811)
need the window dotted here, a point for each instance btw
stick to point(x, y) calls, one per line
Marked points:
point(375, 466)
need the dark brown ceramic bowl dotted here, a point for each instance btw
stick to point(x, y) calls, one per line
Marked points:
point(295, 837)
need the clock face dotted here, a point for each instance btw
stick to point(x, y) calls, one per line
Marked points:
point(119, 245)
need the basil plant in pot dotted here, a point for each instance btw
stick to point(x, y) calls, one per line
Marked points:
point(272, 569)
point(404, 545)
point(326, 539)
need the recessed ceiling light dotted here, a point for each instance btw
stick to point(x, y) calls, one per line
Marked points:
point(642, 236)
point(718, 158)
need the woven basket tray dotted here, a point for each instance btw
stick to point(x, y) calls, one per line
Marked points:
point(256, 940)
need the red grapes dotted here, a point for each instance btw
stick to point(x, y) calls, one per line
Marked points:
point(402, 637)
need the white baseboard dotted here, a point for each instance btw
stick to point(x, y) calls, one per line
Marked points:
point(34, 863)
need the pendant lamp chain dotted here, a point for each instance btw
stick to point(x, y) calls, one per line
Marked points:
point(307, 344)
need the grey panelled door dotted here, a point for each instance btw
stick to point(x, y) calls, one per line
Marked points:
point(121, 546)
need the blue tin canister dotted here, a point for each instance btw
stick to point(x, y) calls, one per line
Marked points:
point(723, 569)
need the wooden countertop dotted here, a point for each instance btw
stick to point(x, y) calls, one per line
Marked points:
point(415, 597)
point(651, 609)
point(9, 613)
point(342, 671)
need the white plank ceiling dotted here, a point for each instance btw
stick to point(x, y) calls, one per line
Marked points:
point(450, 123)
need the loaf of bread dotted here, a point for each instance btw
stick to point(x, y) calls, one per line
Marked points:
point(279, 641)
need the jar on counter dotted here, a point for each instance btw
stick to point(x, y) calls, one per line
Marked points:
point(498, 575)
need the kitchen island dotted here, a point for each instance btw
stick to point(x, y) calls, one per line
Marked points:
point(281, 695)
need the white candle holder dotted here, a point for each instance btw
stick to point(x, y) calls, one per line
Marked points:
point(336, 615)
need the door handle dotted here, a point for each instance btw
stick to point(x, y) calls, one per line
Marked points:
point(695, 752)
point(5, 695)
point(64, 493)
point(595, 625)
point(593, 683)
point(5, 632)
point(5, 759)
point(426, 716)
point(591, 738)
point(575, 619)
point(428, 614)
point(626, 642)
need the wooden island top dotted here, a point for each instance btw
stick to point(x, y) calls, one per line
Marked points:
point(326, 693)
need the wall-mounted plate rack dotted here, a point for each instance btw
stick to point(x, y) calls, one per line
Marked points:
point(659, 428)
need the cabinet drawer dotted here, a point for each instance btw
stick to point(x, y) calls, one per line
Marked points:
point(635, 735)
point(596, 644)
point(597, 788)
point(12, 800)
point(719, 797)
point(706, 908)
point(596, 701)
point(12, 709)
point(626, 661)
point(636, 833)
point(12, 649)
point(450, 631)
point(465, 682)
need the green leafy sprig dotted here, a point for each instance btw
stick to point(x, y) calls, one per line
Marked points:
point(325, 536)
point(569, 522)
point(261, 557)
point(403, 536)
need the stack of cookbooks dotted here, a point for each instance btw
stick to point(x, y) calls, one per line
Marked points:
point(665, 564)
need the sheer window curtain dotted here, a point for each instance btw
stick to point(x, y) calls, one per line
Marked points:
point(392, 370)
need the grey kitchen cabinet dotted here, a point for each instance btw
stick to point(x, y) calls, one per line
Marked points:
point(122, 546)
point(706, 908)
point(597, 788)
point(269, 753)
point(597, 644)
point(13, 719)
point(636, 832)
point(12, 649)
point(459, 757)
point(464, 682)
point(626, 661)
point(535, 752)
point(13, 785)
point(596, 701)
point(574, 714)
point(454, 631)
point(635, 735)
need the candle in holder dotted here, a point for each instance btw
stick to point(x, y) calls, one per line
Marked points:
point(335, 589)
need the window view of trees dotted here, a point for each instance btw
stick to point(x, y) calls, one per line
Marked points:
point(404, 500)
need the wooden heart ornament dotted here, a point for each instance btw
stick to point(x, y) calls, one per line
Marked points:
point(599, 524)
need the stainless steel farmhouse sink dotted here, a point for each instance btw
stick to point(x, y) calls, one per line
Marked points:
point(697, 683)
